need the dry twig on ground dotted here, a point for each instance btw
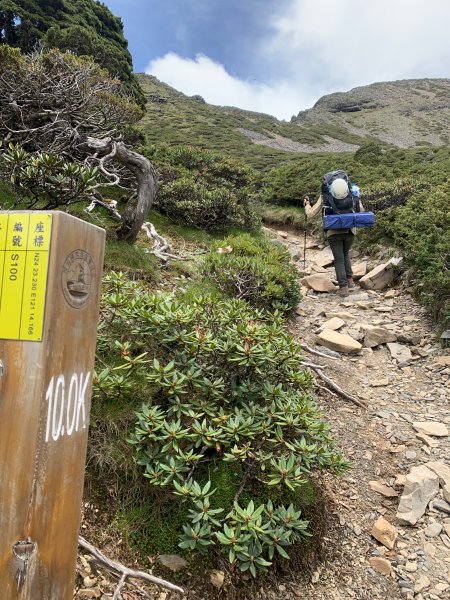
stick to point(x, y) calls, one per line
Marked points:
point(125, 573)
point(334, 386)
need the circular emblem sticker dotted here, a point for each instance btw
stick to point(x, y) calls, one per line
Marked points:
point(78, 273)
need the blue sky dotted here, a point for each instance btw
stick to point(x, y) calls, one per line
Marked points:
point(280, 56)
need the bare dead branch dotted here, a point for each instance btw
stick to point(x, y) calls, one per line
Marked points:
point(313, 366)
point(334, 386)
point(317, 353)
point(124, 572)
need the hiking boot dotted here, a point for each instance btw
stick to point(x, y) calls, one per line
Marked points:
point(343, 291)
point(351, 283)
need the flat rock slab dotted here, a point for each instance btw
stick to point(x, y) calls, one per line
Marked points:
point(339, 342)
point(442, 505)
point(375, 336)
point(446, 492)
point(359, 295)
point(344, 315)
point(383, 489)
point(400, 353)
point(442, 471)
point(431, 428)
point(421, 486)
point(382, 565)
point(172, 561)
point(324, 258)
point(334, 324)
point(359, 270)
point(319, 283)
point(443, 361)
point(378, 278)
point(318, 269)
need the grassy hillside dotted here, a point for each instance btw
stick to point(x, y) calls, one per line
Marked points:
point(404, 114)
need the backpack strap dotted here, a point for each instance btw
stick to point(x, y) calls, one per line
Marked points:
point(333, 205)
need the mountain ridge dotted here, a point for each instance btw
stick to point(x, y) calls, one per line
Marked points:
point(404, 113)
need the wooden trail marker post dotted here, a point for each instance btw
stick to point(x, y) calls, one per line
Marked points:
point(50, 272)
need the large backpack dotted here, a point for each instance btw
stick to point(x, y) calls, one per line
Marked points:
point(332, 205)
point(342, 213)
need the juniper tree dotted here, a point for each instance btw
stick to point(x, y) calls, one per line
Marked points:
point(55, 105)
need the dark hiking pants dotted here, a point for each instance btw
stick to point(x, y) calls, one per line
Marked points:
point(340, 244)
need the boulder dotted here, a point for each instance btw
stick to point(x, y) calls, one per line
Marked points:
point(339, 341)
point(384, 532)
point(324, 258)
point(359, 270)
point(282, 234)
point(402, 354)
point(319, 283)
point(431, 428)
point(334, 324)
point(421, 486)
point(375, 336)
point(442, 471)
point(379, 278)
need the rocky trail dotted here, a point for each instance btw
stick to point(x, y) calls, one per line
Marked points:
point(387, 530)
point(398, 445)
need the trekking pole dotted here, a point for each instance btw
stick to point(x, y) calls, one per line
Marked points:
point(305, 225)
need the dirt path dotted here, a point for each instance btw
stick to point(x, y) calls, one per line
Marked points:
point(382, 444)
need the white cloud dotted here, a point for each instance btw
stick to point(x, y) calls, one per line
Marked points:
point(321, 46)
point(343, 43)
point(211, 80)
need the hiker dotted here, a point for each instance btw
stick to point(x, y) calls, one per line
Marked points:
point(338, 197)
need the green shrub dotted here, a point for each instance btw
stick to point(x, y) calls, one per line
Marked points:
point(255, 270)
point(210, 165)
point(392, 193)
point(370, 153)
point(225, 399)
point(194, 203)
point(204, 189)
point(46, 180)
point(421, 230)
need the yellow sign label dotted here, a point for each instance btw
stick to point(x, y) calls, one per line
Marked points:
point(24, 250)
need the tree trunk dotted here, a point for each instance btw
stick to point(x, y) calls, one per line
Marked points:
point(137, 209)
